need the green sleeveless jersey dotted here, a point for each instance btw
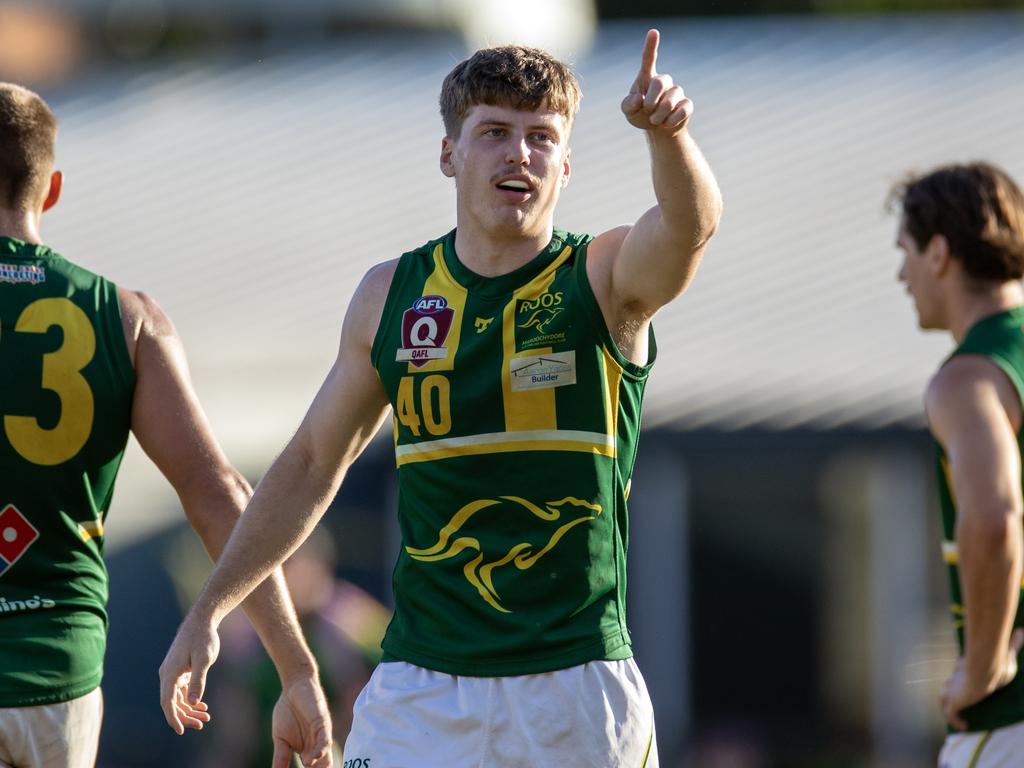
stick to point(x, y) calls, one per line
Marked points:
point(66, 384)
point(999, 338)
point(515, 425)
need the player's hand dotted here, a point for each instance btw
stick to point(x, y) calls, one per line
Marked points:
point(302, 725)
point(654, 102)
point(183, 675)
point(958, 692)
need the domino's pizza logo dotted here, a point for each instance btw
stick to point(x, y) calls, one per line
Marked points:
point(17, 534)
point(425, 327)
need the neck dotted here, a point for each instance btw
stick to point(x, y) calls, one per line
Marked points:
point(490, 253)
point(22, 225)
point(973, 306)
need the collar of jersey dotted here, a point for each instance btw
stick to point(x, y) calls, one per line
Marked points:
point(13, 248)
point(502, 285)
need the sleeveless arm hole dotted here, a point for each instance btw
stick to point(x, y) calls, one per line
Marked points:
point(597, 321)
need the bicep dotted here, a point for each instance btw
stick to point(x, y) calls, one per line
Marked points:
point(167, 417)
point(970, 421)
point(345, 414)
point(351, 403)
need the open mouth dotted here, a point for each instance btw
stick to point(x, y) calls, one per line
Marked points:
point(514, 185)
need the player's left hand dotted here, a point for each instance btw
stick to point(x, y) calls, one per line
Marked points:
point(302, 726)
point(655, 103)
point(959, 692)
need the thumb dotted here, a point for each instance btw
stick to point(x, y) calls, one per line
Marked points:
point(197, 682)
point(319, 747)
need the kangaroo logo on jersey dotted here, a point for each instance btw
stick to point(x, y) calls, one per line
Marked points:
point(534, 318)
point(16, 536)
point(453, 539)
point(425, 328)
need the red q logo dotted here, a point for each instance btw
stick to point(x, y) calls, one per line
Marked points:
point(425, 328)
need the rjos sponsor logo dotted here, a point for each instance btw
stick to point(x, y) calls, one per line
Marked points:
point(428, 305)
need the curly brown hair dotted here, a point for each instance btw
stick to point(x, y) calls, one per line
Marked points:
point(977, 207)
point(28, 135)
point(510, 75)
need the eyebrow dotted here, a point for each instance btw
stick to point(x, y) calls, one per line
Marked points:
point(548, 126)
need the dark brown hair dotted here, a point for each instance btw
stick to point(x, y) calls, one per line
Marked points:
point(511, 75)
point(977, 207)
point(28, 133)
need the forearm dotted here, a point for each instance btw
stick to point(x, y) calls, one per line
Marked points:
point(689, 201)
point(284, 508)
point(269, 607)
point(990, 553)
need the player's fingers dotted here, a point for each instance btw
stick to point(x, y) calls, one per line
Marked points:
point(282, 754)
point(168, 694)
point(1017, 639)
point(319, 746)
point(666, 106)
point(680, 115)
point(189, 717)
point(648, 59)
point(632, 104)
point(656, 91)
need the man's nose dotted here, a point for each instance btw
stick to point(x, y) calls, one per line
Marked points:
point(517, 153)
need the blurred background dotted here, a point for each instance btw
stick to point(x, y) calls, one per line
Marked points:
point(245, 162)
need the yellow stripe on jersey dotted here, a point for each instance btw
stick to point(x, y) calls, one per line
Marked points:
point(441, 283)
point(611, 383)
point(90, 530)
point(534, 408)
point(506, 442)
point(950, 556)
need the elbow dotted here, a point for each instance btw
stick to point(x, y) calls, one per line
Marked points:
point(994, 534)
point(214, 500)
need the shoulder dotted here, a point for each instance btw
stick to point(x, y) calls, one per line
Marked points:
point(142, 317)
point(970, 390)
point(367, 305)
point(602, 251)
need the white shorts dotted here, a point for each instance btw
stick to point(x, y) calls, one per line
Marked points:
point(1001, 748)
point(62, 735)
point(595, 715)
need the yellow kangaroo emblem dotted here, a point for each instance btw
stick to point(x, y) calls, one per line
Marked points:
point(522, 555)
point(541, 317)
point(482, 323)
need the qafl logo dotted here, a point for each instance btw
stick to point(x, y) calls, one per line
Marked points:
point(425, 327)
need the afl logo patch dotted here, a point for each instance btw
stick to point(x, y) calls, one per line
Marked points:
point(425, 328)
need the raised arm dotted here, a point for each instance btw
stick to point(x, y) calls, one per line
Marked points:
point(291, 498)
point(974, 412)
point(173, 430)
point(635, 270)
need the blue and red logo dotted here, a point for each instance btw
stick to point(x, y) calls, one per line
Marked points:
point(425, 328)
point(16, 535)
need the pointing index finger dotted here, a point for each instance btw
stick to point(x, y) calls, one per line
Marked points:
point(649, 59)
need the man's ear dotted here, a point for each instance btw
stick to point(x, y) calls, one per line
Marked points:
point(938, 255)
point(447, 149)
point(53, 193)
point(566, 168)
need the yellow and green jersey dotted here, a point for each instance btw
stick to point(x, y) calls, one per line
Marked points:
point(515, 425)
point(999, 338)
point(66, 384)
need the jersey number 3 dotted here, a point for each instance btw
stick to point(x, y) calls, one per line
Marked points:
point(62, 374)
